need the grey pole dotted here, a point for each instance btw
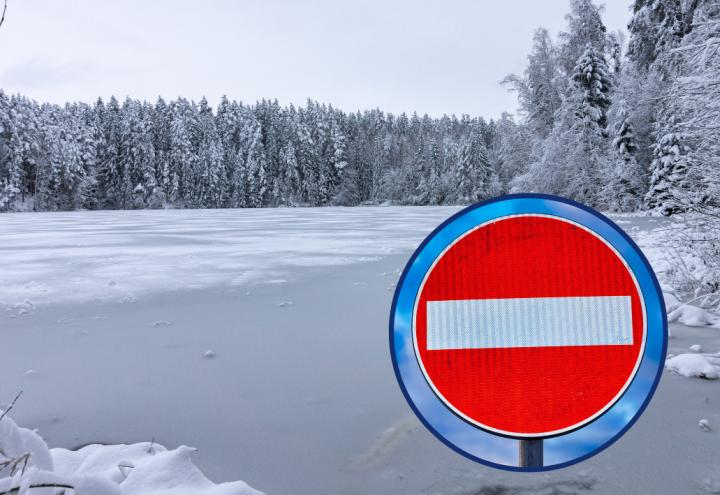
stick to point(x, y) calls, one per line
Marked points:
point(531, 453)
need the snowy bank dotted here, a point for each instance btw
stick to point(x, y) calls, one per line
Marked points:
point(137, 469)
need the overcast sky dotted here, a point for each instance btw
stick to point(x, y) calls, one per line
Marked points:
point(431, 57)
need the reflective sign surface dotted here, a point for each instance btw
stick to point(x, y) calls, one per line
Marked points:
point(530, 317)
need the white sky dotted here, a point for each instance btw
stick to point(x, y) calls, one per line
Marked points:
point(409, 55)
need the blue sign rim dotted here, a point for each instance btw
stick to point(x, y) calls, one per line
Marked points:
point(422, 399)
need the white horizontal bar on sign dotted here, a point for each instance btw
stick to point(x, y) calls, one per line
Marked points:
point(529, 322)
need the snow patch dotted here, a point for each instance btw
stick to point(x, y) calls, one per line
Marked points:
point(692, 365)
point(692, 316)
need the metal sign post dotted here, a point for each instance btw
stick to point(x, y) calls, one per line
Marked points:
point(531, 453)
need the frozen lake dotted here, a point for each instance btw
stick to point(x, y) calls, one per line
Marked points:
point(106, 318)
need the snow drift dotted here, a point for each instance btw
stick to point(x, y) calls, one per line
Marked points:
point(137, 469)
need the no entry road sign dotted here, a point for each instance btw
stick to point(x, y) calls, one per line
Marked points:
point(526, 318)
point(529, 325)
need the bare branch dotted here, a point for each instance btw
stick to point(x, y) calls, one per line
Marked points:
point(7, 410)
point(39, 485)
point(2, 18)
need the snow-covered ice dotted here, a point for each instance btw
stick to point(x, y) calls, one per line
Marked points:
point(302, 398)
point(120, 255)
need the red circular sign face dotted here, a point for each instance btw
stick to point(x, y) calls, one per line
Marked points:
point(529, 326)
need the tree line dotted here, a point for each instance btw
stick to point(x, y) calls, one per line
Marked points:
point(185, 154)
point(618, 124)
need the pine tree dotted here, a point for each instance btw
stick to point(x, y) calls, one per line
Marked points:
point(593, 82)
point(669, 169)
point(257, 175)
point(475, 179)
point(137, 156)
point(61, 170)
point(182, 156)
point(20, 140)
point(110, 174)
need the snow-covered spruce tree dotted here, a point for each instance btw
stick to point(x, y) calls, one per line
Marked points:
point(20, 143)
point(60, 171)
point(308, 160)
point(182, 155)
point(431, 190)
point(625, 184)
point(111, 180)
point(256, 167)
point(335, 164)
point(137, 156)
point(291, 176)
point(576, 154)
point(669, 168)
point(208, 176)
point(161, 118)
point(475, 180)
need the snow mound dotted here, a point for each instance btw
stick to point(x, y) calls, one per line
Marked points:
point(692, 365)
point(144, 469)
point(137, 469)
point(692, 316)
point(16, 442)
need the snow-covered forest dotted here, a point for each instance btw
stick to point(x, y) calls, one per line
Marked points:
point(620, 122)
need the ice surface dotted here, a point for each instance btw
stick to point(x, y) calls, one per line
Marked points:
point(301, 399)
point(121, 255)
